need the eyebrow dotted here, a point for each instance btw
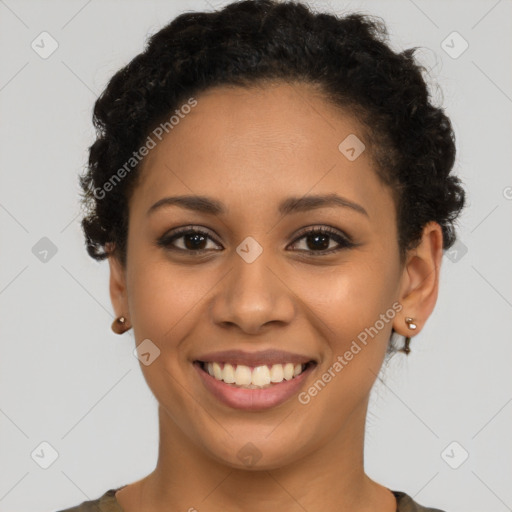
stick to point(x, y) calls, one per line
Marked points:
point(204, 204)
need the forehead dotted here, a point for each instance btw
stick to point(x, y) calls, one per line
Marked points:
point(259, 144)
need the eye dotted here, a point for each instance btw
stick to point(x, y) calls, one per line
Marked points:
point(194, 240)
point(318, 238)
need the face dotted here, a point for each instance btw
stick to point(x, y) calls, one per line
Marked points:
point(258, 277)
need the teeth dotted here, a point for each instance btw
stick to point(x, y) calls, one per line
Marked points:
point(260, 376)
point(242, 375)
point(288, 370)
point(251, 378)
point(217, 371)
point(276, 373)
point(228, 374)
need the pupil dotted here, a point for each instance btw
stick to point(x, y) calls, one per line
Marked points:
point(325, 245)
point(198, 239)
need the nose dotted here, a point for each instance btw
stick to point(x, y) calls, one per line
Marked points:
point(253, 295)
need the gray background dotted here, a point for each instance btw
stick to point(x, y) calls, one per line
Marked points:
point(67, 380)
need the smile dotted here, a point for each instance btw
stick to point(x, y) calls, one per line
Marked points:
point(253, 388)
point(258, 377)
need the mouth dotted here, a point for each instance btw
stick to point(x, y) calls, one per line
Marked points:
point(253, 377)
point(253, 387)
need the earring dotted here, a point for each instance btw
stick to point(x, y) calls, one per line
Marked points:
point(410, 323)
point(119, 325)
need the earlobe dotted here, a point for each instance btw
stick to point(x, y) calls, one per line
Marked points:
point(420, 284)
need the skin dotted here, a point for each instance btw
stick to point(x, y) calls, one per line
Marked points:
point(250, 149)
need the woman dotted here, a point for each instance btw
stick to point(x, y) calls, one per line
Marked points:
point(272, 190)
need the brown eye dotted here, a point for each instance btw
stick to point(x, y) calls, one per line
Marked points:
point(318, 240)
point(194, 240)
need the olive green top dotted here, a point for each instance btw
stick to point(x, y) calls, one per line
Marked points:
point(108, 503)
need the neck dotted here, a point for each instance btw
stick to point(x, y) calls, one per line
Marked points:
point(330, 478)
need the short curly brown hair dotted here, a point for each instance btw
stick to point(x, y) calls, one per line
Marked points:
point(259, 41)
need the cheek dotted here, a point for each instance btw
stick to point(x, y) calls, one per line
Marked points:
point(165, 299)
point(356, 318)
point(352, 297)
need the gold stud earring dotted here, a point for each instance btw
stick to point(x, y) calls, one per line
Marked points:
point(410, 323)
point(120, 325)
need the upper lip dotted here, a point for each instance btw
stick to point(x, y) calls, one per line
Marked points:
point(264, 357)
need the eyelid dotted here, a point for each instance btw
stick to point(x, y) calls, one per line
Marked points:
point(325, 228)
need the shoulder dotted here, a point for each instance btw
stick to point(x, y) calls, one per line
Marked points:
point(407, 504)
point(105, 503)
point(108, 503)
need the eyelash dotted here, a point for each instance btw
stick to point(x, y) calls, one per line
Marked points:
point(344, 241)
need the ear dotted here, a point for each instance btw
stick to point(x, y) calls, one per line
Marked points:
point(420, 280)
point(118, 293)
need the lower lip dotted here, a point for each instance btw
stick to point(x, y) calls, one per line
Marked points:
point(253, 399)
